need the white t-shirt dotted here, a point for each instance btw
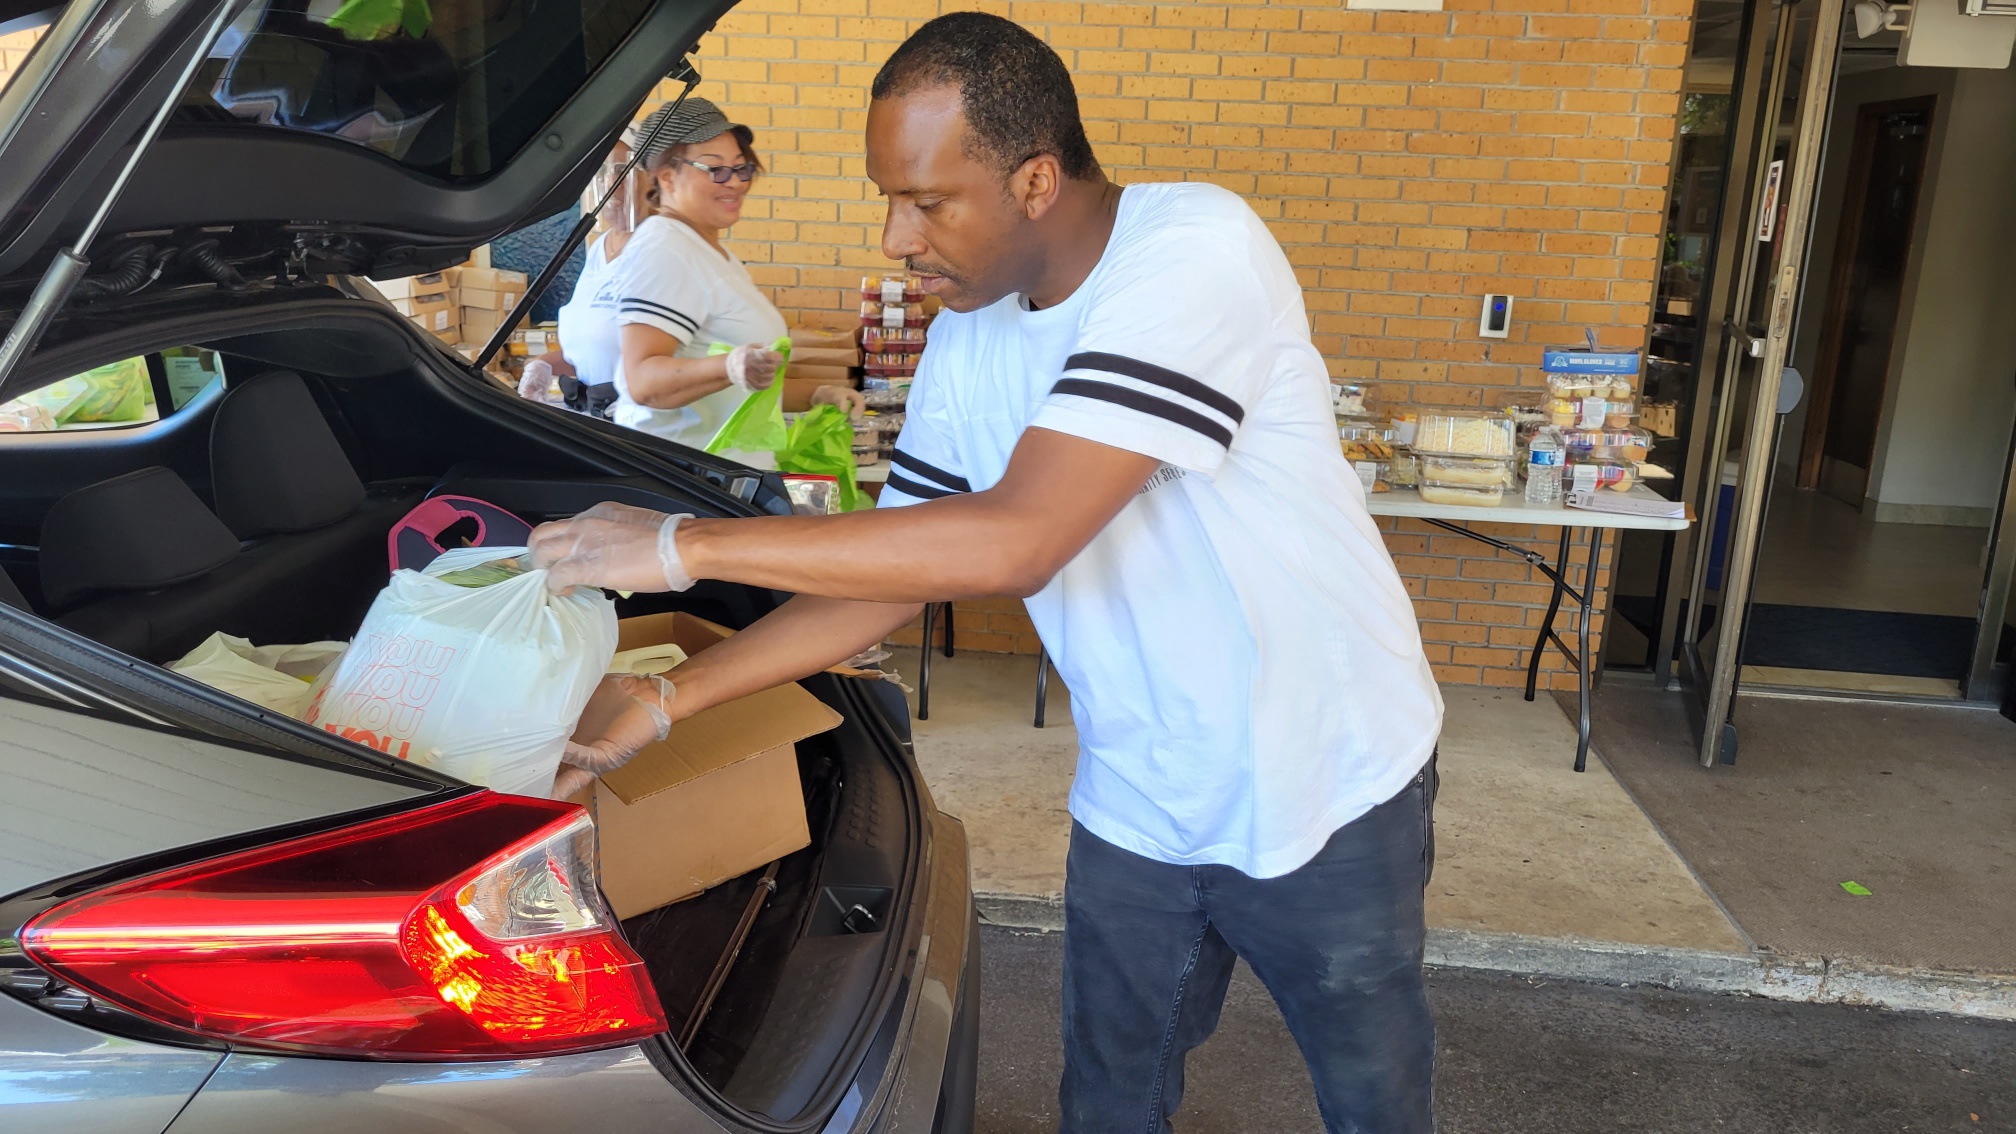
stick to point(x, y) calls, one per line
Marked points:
point(588, 320)
point(1245, 668)
point(670, 278)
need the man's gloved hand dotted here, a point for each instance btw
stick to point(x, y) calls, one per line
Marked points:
point(536, 381)
point(643, 718)
point(752, 367)
point(846, 397)
point(612, 545)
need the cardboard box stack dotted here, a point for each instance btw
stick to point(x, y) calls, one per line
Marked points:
point(482, 298)
point(820, 356)
point(429, 301)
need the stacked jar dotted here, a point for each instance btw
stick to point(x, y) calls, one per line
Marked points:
point(892, 337)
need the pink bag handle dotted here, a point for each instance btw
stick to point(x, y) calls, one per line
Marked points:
point(416, 539)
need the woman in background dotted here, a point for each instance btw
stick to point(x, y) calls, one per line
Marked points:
point(678, 291)
point(586, 360)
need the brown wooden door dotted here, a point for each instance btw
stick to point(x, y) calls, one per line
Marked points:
point(1865, 297)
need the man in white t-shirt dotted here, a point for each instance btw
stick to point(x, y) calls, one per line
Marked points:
point(1120, 416)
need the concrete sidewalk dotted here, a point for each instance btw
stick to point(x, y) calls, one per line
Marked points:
point(1539, 869)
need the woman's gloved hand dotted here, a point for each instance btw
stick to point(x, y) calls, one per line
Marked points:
point(536, 381)
point(752, 367)
point(846, 397)
point(612, 545)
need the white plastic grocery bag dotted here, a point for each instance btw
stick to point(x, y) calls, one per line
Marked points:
point(483, 682)
point(274, 677)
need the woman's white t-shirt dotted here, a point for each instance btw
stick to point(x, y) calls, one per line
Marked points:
point(588, 320)
point(670, 278)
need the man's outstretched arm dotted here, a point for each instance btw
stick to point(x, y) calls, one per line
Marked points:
point(1058, 493)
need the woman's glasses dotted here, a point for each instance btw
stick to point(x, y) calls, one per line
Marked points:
point(719, 174)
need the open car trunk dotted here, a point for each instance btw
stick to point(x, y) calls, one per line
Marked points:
point(773, 982)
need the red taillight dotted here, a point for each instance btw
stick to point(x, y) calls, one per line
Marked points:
point(465, 930)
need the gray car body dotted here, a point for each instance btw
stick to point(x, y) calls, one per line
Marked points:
point(86, 791)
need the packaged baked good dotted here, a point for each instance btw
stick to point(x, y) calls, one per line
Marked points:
point(1587, 474)
point(1466, 435)
point(1472, 497)
point(1467, 472)
point(1404, 470)
point(1367, 442)
point(1627, 444)
point(1349, 399)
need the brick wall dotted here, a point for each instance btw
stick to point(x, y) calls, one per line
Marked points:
point(1408, 162)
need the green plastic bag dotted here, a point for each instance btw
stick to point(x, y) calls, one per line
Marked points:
point(757, 425)
point(821, 441)
point(116, 392)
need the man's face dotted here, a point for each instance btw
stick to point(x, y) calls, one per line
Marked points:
point(951, 220)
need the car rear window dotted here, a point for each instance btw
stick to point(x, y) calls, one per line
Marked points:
point(129, 392)
point(453, 88)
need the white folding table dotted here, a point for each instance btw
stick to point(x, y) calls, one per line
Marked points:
point(1407, 503)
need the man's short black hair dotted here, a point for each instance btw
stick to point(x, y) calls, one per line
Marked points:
point(1017, 96)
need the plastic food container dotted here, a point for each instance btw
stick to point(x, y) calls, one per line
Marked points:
point(1588, 473)
point(1368, 442)
point(1591, 386)
point(813, 494)
point(1467, 472)
point(1628, 444)
point(1473, 497)
point(1466, 435)
point(1349, 399)
point(1404, 470)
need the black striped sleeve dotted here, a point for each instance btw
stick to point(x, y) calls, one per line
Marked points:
point(1161, 376)
point(1134, 399)
point(929, 472)
point(659, 312)
point(908, 487)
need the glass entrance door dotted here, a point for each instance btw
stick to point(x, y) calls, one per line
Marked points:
point(1778, 124)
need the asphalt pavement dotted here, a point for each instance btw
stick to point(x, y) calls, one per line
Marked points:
point(1519, 1055)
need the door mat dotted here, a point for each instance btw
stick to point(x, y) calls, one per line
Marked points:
point(1859, 641)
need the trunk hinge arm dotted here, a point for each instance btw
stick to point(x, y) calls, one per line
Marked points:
point(685, 73)
point(61, 277)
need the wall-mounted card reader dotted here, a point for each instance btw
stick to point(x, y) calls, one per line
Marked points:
point(1496, 322)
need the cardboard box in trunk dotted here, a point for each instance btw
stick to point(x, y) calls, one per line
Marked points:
point(717, 798)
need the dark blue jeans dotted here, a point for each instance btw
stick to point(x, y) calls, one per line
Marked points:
point(1149, 950)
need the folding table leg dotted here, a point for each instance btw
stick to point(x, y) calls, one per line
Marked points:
point(1042, 683)
point(1553, 606)
point(1583, 662)
point(924, 664)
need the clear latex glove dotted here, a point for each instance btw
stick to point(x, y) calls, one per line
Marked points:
point(612, 545)
point(752, 367)
point(536, 381)
point(846, 397)
point(639, 712)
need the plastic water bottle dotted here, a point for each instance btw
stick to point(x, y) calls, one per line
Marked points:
point(1543, 468)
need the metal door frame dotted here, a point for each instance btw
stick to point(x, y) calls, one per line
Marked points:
point(1715, 684)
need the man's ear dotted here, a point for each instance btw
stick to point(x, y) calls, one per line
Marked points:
point(1035, 185)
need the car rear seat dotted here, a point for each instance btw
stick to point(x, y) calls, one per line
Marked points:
point(314, 550)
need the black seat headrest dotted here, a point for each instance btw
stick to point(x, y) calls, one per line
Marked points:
point(136, 532)
point(275, 465)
